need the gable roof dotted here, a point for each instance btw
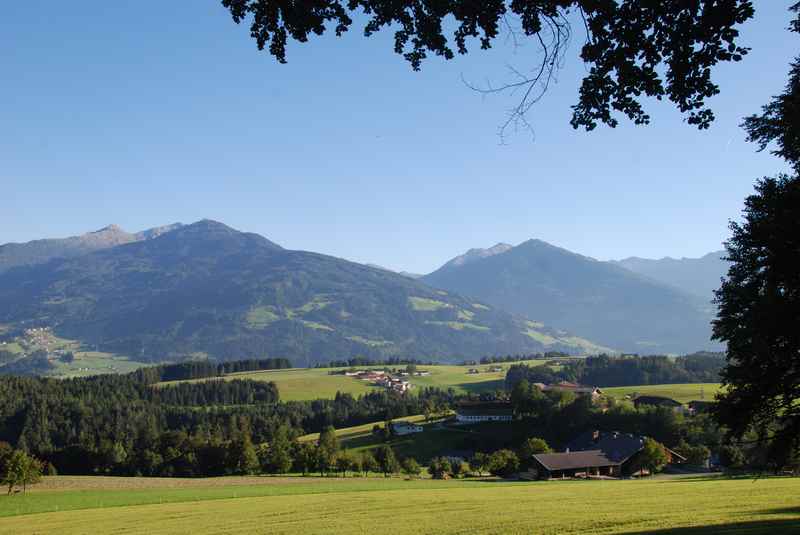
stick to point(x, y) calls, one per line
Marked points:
point(618, 447)
point(573, 460)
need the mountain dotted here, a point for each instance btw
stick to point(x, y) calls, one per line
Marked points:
point(210, 290)
point(478, 254)
point(697, 276)
point(604, 302)
point(41, 251)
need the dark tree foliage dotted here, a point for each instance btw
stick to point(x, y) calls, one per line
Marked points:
point(759, 302)
point(200, 369)
point(123, 424)
point(604, 370)
point(779, 122)
point(633, 48)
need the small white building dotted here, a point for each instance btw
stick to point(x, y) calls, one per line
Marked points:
point(471, 413)
point(405, 428)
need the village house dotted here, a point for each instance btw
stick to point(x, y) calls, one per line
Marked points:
point(405, 428)
point(496, 411)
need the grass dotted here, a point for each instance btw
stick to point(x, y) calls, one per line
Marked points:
point(458, 325)
point(393, 506)
point(358, 431)
point(422, 304)
point(306, 384)
point(316, 383)
point(683, 393)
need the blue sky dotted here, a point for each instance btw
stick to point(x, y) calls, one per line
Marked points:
point(145, 113)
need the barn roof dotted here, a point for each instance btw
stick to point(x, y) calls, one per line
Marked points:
point(616, 446)
point(573, 460)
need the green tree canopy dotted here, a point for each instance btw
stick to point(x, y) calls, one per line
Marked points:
point(632, 48)
point(759, 302)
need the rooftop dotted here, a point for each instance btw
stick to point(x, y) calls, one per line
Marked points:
point(574, 459)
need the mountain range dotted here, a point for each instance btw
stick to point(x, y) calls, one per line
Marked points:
point(632, 306)
point(205, 289)
point(41, 251)
point(696, 276)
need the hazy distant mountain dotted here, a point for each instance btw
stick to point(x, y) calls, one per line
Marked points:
point(208, 289)
point(698, 276)
point(403, 273)
point(41, 251)
point(602, 301)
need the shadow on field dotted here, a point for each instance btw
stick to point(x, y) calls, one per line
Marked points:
point(784, 525)
point(771, 527)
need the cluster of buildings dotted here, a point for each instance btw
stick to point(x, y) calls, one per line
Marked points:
point(382, 378)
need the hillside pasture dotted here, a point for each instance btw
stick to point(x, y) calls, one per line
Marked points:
point(682, 506)
point(300, 384)
point(682, 393)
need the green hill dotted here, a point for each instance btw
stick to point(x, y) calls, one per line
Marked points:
point(208, 290)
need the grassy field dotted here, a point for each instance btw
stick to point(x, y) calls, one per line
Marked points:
point(394, 506)
point(317, 383)
point(682, 392)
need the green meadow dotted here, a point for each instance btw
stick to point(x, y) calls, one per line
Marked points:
point(683, 506)
point(318, 383)
point(683, 393)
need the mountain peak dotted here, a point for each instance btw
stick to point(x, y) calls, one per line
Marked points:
point(112, 228)
point(477, 254)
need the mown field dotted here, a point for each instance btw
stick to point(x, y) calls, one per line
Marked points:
point(317, 383)
point(683, 393)
point(687, 506)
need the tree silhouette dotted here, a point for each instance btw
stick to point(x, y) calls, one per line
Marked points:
point(759, 302)
point(632, 48)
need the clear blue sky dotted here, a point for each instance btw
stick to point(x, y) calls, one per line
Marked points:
point(144, 113)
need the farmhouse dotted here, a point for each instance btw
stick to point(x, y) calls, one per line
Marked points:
point(576, 464)
point(470, 413)
point(575, 388)
point(405, 428)
point(596, 454)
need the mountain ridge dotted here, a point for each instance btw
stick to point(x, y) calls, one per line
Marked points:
point(208, 289)
point(601, 300)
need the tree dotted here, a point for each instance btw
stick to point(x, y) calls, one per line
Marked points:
point(278, 456)
point(21, 470)
point(695, 455)
point(503, 463)
point(459, 469)
point(369, 463)
point(532, 446)
point(305, 458)
point(344, 461)
point(411, 467)
point(653, 456)
point(327, 446)
point(439, 467)
point(242, 456)
point(759, 301)
point(387, 460)
point(632, 49)
point(479, 462)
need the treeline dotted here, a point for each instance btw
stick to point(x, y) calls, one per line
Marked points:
point(606, 371)
point(126, 425)
point(516, 358)
point(201, 369)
